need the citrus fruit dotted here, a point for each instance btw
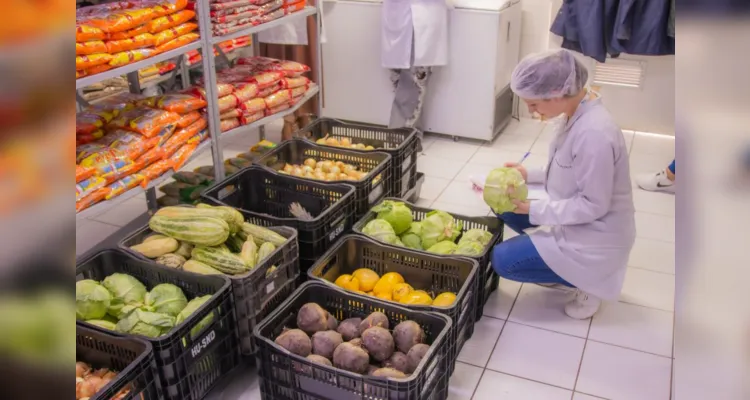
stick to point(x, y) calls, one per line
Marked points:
point(400, 290)
point(383, 286)
point(384, 296)
point(444, 299)
point(347, 281)
point(393, 277)
point(417, 297)
point(367, 278)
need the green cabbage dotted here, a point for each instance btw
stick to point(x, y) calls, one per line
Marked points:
point(381, 230)
point(146, 323)
point(416, 227)
point(444, 247)
point(92, 300)
point(103, 324)
point(496, 189)
point(476, 235)
point(166, 299)
point(396, 213)
point(438, 226)
point(126, 291)
point(192, 307)
point(412, 240)
point(470, 248)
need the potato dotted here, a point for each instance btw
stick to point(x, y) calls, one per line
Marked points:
point(296, 341)
point(397, 361)
point(319, 359)
point(333, 323)
point(351, 358)
point(325, 342)
point(389, 373)
point(375, 319)
point(406, 335)
point(378, 342)
point(349, 328)
point(372, 368)
point(415, 355)
point(312, 318)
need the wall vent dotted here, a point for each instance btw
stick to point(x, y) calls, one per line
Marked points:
point(618, 72)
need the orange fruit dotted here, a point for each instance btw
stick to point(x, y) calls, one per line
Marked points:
point(367, 278)
point(383, 287)
point(400, 290)
point(444, 299)
point(370, 293)
point(384, 296)
point(393, 277)
point(417, 297)
point(347, 281)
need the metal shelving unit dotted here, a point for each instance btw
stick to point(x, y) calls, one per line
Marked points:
point(206, 42)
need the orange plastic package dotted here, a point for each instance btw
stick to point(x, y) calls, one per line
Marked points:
point(253, 106)
point(92, 198)
point(168, 35)
point(131, 143)
point(138, 30)
point(227, 103)
point(89, 137)
point(294, 7)
point(106, 161)
point(180, 157)
point(233, 113)
point(154, 171)
point(123, 185)
point(86, 150)
point(80, 74)
point(90, 121)
point(179, 42)
point(83, 173)
point(278, 98)
point(166, 7)
point(181, 137)
point(169, 21)
point(179, 103)
point(121, 20)
point(92, 60)
point(199, 138)
point(131, 56)
point(146, 121)
point(229, 124)
point(245, 91)
point(188, 119)
point(85, 33)
point(136, 42)
point(88, 186)
point(115, 174)
point(91, 47)
point(249, 118)
point(98, 69)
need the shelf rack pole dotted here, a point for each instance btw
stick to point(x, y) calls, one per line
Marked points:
point(256, 52)
point(319, 55)
point(209, 84)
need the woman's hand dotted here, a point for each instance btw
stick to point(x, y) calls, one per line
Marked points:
point(519, 167)
point(522, 207)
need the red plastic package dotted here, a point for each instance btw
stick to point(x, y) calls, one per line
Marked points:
point(229, 124)
point(278, 98)
point(136, 42)
point(298, 91)
point(146, 121)
point(289, 68)
point(294, 7)
point(249, 118)
point(245, 91)
point(90, 121)
point(123, 185)
point(188, 119)
point(179, 103)
point(92, 198)
point(291, 83)
point(277, 109)
point(233, 113)
point(170, 21)
point(154, 171)
point(91, 47)
point(253, 106)
point(227, 102)
point(170, 34)
point(223, 89)
point(270, 90)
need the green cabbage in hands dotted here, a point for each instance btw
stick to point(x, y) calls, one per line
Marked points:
point(445, 247)
point(476, 235)
point(126, 291)
point(165, 299)
point(396, 213)
point(469, 248)
point(438, 226)
point(383, 231)
point(496, 189)
point(151, 324)
point(92, 300)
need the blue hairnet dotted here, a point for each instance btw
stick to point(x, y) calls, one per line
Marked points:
point(549, 75)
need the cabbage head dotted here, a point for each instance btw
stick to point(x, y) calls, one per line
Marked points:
point(445, 247)
point(438, 226)
point(92, 300)
point(476, 235)
point(469, 248)
point(496, 189)
point(146, 323)
point(165, 298)
point(396, 213)
point(416, 228)
point(381, 230)
point(412, 240)
point(193, 306)
point(103, 324)
point(126, 291)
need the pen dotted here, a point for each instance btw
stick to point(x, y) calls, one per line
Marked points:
point(524, 158)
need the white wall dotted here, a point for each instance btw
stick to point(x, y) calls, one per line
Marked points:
point(648, 109)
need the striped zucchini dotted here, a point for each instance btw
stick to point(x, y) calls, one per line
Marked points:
point(198, 267)
point(249, 253)
point(232, 213)
point(265, 250)
point(234, 243)
point(214, 212)
point(200, 231)
point(262, 235)
point(220, 260)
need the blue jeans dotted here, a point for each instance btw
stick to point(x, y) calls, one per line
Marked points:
point(671, 167)
point(517, 259)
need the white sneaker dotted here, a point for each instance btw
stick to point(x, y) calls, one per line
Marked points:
point(658, 182)
point(584, 306)
point(558, 286)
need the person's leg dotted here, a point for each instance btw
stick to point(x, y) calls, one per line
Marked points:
point(517, 222)
point(662, 181)
point(516, 259)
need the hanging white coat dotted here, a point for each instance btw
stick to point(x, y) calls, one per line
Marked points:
point(414, 30)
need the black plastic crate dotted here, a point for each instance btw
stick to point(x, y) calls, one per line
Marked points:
point(402, 144)
point(369, 191)
point(491, 224)
point(188, 365)
point(251, 290)
point(264, 196)
point(131, 358)
point(421, 270)
point(287, 376)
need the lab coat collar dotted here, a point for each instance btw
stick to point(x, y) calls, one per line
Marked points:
point(585, 105)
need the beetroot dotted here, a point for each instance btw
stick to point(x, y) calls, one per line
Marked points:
point(351, 358)
point(333, 323)
point(296, 341)
point(406, 335)
point(389, 373)
point(375, 319)
point(397, 361)
point(378, 342)
point(415, 355)
point(349, 328)
point(319, 359)
point(312, 318)
point(325, 342)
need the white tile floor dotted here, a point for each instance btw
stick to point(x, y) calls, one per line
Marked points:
point(524, 347)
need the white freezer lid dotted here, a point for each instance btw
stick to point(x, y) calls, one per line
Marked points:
point(484, 5)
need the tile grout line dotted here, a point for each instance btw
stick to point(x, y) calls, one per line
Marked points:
point(531, 380)
point(583, 353)
point(652, 270)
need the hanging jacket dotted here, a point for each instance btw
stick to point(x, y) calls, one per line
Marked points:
point(641, 28)
point(586, 27)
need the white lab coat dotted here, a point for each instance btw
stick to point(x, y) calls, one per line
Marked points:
point(414, 33)
point(590, 206)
